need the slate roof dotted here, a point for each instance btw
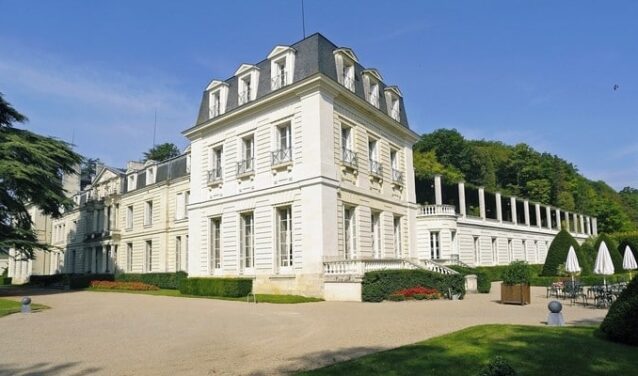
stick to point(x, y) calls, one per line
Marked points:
point(314, 54)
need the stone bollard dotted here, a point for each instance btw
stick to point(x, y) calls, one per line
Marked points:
point(555, 317)
point(26, 305)
point(471, 283)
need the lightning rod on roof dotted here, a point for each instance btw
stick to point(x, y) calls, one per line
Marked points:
point(303, 20)
point(154, 127)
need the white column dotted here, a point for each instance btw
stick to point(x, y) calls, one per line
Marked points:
point(539, 222)
point(548, 214)
point(107, 219)
point(513, 207)
point(438, 195)
point(594, 226)
point(499, 209)
point(93, 260)
point(526, 208)
point(582, 223)
point(567, 222)
point(462, 199)
point(481, 192)
point(575, 218)
point(587, 226)
point(558, 224)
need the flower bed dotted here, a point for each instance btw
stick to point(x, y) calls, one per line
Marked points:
point(133, 286)
point(418, 293)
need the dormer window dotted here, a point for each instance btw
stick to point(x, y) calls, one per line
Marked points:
point(371, 80)
point(393, 101)
point(132, 180)
point(150, 176)
point(395, 109)
point(373, 94)
point(282, 66)
point(218, 93)
point(247, 76)
point(345, 60)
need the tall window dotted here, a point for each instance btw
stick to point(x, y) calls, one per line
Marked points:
point(149, 256)
point(477, 250)
point(248, 151)
point(284, 236)
point(348, 75)
point(349, 157)
point(284, 144)
point(350, 241)
point(395, 109)
point(178, 253)
point(215, 244)
point(216, 171)
point(375, 233)
point(129, 257)
point(510, 250)
point(248, 239)
point(129, 217)
point(181, 202)
point(73, 261)
point(494, 251)
point(373, 96)
point(397, 237)
point(279, 76)
point(148, 213)
point(346, 137)
point(215, 104)
point(373, 156)
point(245, 87)
point(435, 248)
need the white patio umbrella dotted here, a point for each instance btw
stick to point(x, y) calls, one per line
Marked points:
point(628, 261)
point(571, 264)
point(603, 265)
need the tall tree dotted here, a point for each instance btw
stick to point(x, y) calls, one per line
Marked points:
point(31, 170)
point(88, 169)
point(162, 152)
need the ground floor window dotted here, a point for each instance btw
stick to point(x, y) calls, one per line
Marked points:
point(494, 251)
point(178, 253)
point(149, 255)
point(215, 244)
point(129, 257)
point(477, 250)
point(375, 234)
point(284, 236)
point(349, 237)
point(248, 239)
point(435, 245)
point(397, 237)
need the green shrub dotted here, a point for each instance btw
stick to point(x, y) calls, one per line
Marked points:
point(621, 322)
point(557, 253)
point(495, 273)
point(379, 285)
point(616, 256)
point(161, 280)
point(587, 257)
point(484, 284)
point(228, 287)
point(396, 297)
point(82, 281)
point(419, 296)
point(498, 367)
point(625, 239)
point(517, 272)
point(48, 280)
point(5, 281)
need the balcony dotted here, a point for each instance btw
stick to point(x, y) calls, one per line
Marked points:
point(431, 210)
point(397, 177)
point(376, 169)
point(246, 167)
point(349, 158)
point(281, 157)
point(279, 81)
point(215, 176)
point(244, 97)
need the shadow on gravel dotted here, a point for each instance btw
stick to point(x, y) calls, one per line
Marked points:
point(45, 369)
point(31, 291)
point(320, 359)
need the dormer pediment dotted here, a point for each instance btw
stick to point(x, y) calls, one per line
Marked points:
point(347, 52)
point(215, 84)
point(374, 73)
point(395, 90)
point(280, 50)
point(244, 68)
point(104, 175)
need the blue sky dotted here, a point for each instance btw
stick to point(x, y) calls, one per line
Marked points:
point(539, 72)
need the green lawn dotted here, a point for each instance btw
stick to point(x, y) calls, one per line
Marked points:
point(530, 350)
point(261, 298)
point(8, 307)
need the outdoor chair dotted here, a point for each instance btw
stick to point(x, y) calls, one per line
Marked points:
point(573, 290)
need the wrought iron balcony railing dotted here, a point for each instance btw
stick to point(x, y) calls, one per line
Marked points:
point(348, 82)
point(246, 166)
point(244, 97)
point(397, 176)
point(281, 156)
point(215, 175)
point(214, 111)
point(349, 158)
point(279, 81)
point(376, 168)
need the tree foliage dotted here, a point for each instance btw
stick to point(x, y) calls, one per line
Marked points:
point(621, 322)
point(162, 152)
point(31, 170)
point(521, 171)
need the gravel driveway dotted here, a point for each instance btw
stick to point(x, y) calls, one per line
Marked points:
point(93, 333)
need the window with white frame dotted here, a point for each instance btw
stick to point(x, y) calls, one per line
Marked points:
point(510, 250)
point(180, 205)
point(178, 253)
point(494, 251)
point(348, 155)
point(129, 217)
point(245, 89)
point(373, 156)
point(375, 234)
point(149, 255)
point(373, 93)
point(349, 229)
point(279, 74)
point(247, 223)
point(150, 176)
point(148, 213)
point(283, 153)
point(132, 179)
point(395, 108)
point(397, 237)
point(216, 172)
point(397, 174)
point(477, 250)
point(214, 239)
point(282, 66)
point(435, 245)
point(129, 257)
point(348, 74)
point(215, 104)
point(284, 236)
point(247, 164)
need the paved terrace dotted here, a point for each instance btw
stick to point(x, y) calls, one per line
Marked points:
point(127, 334)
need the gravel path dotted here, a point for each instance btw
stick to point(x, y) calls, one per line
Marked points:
point(93, 333)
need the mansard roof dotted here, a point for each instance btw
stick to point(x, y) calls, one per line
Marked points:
point(313, 55)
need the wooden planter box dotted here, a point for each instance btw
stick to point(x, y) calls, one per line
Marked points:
point(515, 294)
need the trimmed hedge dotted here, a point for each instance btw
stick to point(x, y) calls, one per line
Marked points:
point(74, 281)
point(161, 280)
point(557, 253)
point(621, 322)
point(379, 285)
point(5, 281)
point(227, 287)
point(627, 239)
point(484, 284)
point(612, 245)
point(495, 273)
point(48, 280)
